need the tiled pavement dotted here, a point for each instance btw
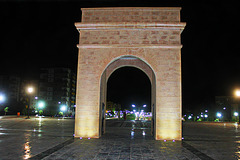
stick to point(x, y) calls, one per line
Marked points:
point(50, 138)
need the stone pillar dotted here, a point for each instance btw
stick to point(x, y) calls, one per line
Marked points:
point(168, 97)
point(88, 91)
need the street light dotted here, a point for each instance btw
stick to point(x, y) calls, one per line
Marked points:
point(219, 115)
point(237, 93)
point(235, 114)
point(2, 98)
point(29, 91)
point(63, 108)
point(139, 111)
point(41, 105)
point(136, 113)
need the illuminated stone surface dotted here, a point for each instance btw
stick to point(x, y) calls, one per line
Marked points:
point(50, 138)
point(145, 38)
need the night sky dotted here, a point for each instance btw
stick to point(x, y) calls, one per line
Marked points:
point(37, 34)
point(129, 85)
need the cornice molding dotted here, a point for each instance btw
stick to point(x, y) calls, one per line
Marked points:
point(128, 46)
point(130, 25)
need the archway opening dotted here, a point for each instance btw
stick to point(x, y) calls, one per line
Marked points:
point(128, 106)
point(129, 87)
point(127, 98)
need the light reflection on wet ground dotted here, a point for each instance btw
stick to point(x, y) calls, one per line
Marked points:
point(23, 139)
point(27, 148)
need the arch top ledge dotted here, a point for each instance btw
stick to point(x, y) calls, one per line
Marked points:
point(129, 46)
point(131, 14)
point(131, 25)
point(133, 8)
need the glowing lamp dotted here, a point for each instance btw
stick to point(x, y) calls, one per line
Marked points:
point(63, 108)
point(219, 115)
point(2, 98)
point(238, 93)
point(40, 105)
point(30, 89)
point(235, 114)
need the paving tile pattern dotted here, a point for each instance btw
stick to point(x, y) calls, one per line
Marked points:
point(51, 138)
point(111, 147)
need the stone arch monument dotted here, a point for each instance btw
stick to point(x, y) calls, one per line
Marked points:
point(147, 38)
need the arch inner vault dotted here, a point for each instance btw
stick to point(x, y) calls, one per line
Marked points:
point(142, 37)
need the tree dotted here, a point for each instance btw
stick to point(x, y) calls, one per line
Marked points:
point(6, 110)
point(60, 113)
point(40, 112)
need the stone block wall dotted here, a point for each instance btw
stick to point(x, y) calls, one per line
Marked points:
point(130, 37)
point(130, 14)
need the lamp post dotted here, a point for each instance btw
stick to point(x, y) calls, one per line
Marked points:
point(138, 110)
point(29, 91)
point(219, 115)
point(41, 105)
point(237, 94)
point(236, 115)
point(2, 98)
point(136, 113)
point(63, 109)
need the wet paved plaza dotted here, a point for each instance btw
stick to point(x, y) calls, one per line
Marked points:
point(52, 138)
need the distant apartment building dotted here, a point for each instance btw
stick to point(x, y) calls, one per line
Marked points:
point(10, 87)
point(57, 87)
